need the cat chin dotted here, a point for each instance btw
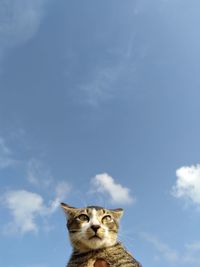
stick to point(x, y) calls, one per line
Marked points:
point(96, 243)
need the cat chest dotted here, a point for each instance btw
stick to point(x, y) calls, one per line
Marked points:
point(113, 259)
point(94, 263)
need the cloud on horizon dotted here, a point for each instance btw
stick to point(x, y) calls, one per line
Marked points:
point(165, 251)
point(118, 194)
point(190, 255)
point(188, 184)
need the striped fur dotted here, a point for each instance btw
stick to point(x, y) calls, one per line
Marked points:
point(90, 244)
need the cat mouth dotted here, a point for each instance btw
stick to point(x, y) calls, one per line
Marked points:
point(95, 237)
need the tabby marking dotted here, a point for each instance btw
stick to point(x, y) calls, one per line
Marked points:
point(93, 234)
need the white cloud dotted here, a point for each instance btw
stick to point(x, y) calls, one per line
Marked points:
point(24, 207)
point(6, 159)
point(19, 20)
point(188, 184)
point(103, 183)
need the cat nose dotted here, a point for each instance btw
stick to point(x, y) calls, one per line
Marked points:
point(95, 227)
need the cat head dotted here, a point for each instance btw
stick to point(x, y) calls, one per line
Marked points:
point(92, 227)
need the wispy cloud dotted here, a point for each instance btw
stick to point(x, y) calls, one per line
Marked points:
point(6, 158)
point(62, 190)
point(188, 184)
point(189, 255)
point(165, 251)
point(114, 69)
point(193, 253)
point(102, 85)
point(107, 80)
point(118, 194)
point(195, 246)
point(38, 174)
point(19, 20)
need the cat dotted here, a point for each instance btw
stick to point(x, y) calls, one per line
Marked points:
point(93, 234)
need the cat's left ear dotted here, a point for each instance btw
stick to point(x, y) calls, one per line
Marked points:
point(68, 209)
point(117, 213)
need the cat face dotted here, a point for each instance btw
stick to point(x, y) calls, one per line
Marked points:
point(92, 227)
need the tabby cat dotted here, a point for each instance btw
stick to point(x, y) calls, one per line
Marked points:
point(93, 234)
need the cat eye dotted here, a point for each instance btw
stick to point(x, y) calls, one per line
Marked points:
point(106, 219)
point(83, 218)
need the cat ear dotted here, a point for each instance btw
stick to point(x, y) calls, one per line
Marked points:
point(68, 209)
point(117, 213)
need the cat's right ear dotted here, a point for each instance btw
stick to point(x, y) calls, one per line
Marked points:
point(68, 209)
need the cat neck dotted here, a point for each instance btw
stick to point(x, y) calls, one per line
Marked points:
point(77, 252)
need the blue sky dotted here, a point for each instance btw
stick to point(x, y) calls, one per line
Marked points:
point(99, 104)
